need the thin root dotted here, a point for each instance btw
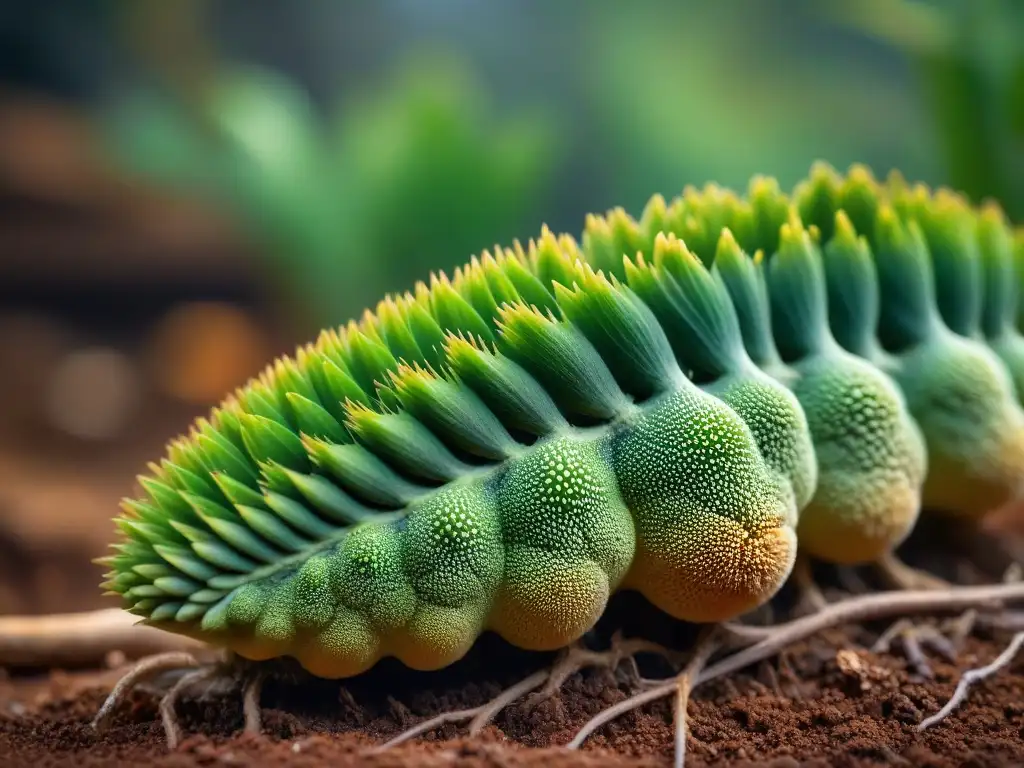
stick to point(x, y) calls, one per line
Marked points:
point(811, 598)
point(902, 576)
point(914, 638)
point(768, 641)
point(146, 669)
point(973, 676)
point(572, 660)
point(195, 673)
point(251, 704)
point(577, 657)
point(960, 628)
point(851, 581)
point(1014, 572)
point(491, 709)
point(684, 685)
point(169, 703)
point(480, 716)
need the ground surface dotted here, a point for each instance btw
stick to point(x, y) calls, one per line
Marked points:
point(825, 702)
point(803, 710)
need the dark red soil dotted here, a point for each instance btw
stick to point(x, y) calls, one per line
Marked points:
point(801, 710)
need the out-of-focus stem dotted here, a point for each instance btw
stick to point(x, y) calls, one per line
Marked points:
point(76, 639)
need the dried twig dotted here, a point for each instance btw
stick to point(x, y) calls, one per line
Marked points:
point(82, 638)
point(971, 677)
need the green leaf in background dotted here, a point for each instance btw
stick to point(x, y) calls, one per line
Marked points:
point(442, 174)
point(694, 92)
point(390, 187)
point(969, 56)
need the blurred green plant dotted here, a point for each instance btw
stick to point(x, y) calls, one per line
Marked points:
point(350, 205)
point(969, 57)
point(691, 92)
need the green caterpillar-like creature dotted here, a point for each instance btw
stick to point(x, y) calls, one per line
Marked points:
point(667, 406)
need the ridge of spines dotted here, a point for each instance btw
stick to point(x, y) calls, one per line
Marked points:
point(744, 280)
point(692, 306)
point(1000, 288)
point(948, 227)
point(366, 420)
point(852, 287)
point(909, 313)
point(624, 331)
point(510, 392)
point(453, 412)
point(523, 341)
point(797, 292)
point(565, 363)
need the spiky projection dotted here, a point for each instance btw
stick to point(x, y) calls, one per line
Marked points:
point(941, 283)
point(489, 452)
point(668, 405)
point(870, 457)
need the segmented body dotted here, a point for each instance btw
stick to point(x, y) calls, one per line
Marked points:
point(506, 449)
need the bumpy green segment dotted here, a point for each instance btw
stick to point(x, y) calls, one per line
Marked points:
point(714, 528)
point(1002, 254)
point(941, 274)
point(449, 465)
point(918, 283)
point(385, 491)
point(693, 304)
point(870, 461)
point(869, 451)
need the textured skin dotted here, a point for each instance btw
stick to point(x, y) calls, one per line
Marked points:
point(504, 450)
point(708, 547)
point(1009, 347)
point(964, 401)
point(872, 460)
point(947, 281)
point(779, 426)
point(534, 551)
point(667, 493)
point(862, 435)
point(569, 541)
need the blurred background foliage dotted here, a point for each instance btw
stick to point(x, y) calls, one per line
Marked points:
point(436, 155)
point(357, 202)
point(189, 187)
point(968, 58)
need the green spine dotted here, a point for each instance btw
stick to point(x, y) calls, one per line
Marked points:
point(449, 464)
point(505, 448)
